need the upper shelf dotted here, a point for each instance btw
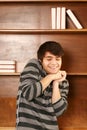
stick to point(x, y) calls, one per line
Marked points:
point(41, 31)
point(43, 0)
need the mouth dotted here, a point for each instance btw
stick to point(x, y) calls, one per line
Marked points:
point(53, 68)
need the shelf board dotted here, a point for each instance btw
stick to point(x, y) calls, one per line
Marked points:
point(41, 31)
point(18, 74)
point(9, 74)
point(43, 0)
point(77, 74)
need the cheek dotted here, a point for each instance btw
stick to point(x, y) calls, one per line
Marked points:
point(60, 62)
point(44, 64)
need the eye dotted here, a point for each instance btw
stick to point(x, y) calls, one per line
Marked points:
point(49, 59)
point(58, 59)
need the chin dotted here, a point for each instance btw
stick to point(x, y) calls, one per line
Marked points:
point(52, 72)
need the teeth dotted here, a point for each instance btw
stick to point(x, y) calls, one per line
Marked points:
point(53, 68)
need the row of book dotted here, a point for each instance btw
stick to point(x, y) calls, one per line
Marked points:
point(58, 18)
point(7, 66)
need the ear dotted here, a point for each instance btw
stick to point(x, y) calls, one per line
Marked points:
point(39, 60)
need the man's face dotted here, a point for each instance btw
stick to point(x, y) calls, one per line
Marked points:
point(51, 63)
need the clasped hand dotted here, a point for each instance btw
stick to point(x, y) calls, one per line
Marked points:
point(60, 75)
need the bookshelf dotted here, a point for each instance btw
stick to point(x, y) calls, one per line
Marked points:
point(27, 23)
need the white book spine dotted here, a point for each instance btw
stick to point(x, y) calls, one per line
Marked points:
point(63, 18)
point(7, 62)
point(7, 66)
point(7, 70)
point(53, 18)
point(74, 19)
point(58, 17)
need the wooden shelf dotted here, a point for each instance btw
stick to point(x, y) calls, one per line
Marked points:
point(9, 74)
point(18, 73)
point(41, 31)
point(77, 74)
point(43, 1)
point(7, 128)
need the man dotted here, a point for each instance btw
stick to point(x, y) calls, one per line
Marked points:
point(43, 90)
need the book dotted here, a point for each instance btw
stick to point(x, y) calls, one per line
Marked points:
point(53, 18)
point(6, 66)
point(7, 62)
point(58, 17)
point(7, 70)
point(63, 18)
point(74, 19)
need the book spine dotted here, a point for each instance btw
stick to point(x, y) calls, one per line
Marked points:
point(74, 19)
point(58, 17)
point(7, 66)
point(7, 70)
point(7, 62)
point(53, 18)
point(63, 18)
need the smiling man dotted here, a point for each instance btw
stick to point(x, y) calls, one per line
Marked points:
point(43, 90)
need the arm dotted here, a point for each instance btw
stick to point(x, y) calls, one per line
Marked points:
point(59, 94)
point(30, 85)
point(52, 77)
point(61, 104)
point(56, 95)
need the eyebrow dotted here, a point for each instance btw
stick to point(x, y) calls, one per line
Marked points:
point(51, 56)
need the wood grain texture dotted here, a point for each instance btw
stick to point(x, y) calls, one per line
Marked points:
point(7, 112)
point(18, 15)
point(23, 46)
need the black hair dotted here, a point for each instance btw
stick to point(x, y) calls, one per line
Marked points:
point(50, 46)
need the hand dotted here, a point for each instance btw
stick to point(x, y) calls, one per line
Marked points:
point(60, 76)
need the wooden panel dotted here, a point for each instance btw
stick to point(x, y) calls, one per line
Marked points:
point(76, 114)
point(7, 112)
point(19, 15)
point(18, 47)
point(23, 47)
point(9, 86)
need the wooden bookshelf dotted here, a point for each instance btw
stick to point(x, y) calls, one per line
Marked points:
point(24, 25)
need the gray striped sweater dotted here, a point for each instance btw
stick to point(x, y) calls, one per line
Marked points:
point(34, 108)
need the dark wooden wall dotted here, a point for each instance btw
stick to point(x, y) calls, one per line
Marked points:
point(22, 45)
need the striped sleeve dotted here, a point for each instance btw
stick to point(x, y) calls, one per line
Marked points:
point(30, 85)
point(61, 105)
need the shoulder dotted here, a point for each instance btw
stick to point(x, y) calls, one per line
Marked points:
point(33, 65)
point(33, 62)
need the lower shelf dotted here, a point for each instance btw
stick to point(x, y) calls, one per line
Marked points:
point(65, 128)
point(7, 128)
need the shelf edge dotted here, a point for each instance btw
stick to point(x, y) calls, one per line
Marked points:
point(41, 31)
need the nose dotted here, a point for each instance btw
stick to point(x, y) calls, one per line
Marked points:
point(54, 62)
